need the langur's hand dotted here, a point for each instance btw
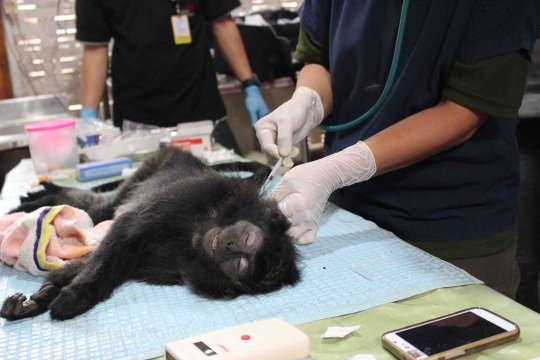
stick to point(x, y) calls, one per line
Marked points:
point(309, 186)
point(290, 123)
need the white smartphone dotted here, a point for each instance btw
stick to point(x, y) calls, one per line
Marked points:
point(450, 336)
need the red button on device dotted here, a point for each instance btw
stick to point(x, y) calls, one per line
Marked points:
point(245, 337)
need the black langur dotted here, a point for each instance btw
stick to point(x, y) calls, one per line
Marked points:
point(176, 222)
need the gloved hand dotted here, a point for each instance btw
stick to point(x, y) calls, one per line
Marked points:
point(255, 103)
point(88, 113)
point(309, 186)
point(290, 123)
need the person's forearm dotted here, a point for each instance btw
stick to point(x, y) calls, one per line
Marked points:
point(423, 134)
point(231, 46)
point(317, 78)
point(95, 62)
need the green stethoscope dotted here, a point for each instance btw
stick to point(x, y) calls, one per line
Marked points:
point(389, 81)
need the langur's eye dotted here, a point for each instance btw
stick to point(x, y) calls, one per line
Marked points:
point(242, 264)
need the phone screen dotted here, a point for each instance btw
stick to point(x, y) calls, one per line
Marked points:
point(449, 333)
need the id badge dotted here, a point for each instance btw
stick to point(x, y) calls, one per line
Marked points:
point(181, 30)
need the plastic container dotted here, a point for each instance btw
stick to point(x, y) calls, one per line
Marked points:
point(126, 147)
point(53, 145)
point(194, 136)
point(102, 169)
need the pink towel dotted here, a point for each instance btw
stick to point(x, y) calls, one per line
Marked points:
point(47, 238)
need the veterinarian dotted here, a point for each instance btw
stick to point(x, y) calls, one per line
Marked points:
point(528, 137)
point(437, 163)
point(162, 76)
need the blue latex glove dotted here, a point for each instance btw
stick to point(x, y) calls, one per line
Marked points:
point(88, 113)
point(255, 103)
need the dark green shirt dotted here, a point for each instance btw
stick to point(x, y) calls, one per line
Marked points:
point(493, 86)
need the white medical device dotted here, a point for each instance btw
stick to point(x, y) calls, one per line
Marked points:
point(270, 339)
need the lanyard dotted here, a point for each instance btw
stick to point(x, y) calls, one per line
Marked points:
point(181, 7)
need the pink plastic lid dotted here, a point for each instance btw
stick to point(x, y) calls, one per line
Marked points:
point(50, 125)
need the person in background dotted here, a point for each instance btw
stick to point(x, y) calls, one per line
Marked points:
point(437, 163)
point(528, 136)
point(162, 70)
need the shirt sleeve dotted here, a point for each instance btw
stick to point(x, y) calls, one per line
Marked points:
point(92, 26)
point(214, 9)
point(493, 86)
point(315, 19)
point(311, 51)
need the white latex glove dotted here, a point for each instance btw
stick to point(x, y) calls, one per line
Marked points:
point(291, 122)
point(309, 186)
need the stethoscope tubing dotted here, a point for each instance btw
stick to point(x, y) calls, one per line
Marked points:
point(389, 81)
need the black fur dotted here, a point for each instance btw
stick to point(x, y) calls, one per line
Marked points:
point(176, 222)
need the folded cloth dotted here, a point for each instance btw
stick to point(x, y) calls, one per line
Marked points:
point(47, 238)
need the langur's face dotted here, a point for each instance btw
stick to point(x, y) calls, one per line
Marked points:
point(246, 238)
point(234, 247)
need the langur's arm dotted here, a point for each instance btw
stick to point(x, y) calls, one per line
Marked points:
point(113, 263)
point(17, 306)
